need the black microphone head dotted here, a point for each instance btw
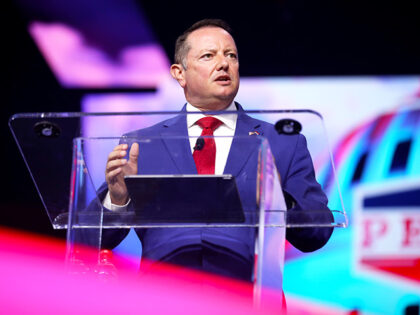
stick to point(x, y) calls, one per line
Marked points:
point(199, 145)
point(47, 129)
point(288, 127)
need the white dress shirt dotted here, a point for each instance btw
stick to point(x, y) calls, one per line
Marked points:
point(223, 139)
point(223, 134)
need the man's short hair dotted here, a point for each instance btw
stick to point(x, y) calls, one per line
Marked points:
point(181, 44)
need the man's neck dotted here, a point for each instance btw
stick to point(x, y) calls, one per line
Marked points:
point(231, 106)
point(210, 107)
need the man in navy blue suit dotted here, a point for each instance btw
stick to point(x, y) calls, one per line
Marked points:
point(207, 68)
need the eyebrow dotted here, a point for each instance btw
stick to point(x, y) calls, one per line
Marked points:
point(207, 50)
point(212, 50)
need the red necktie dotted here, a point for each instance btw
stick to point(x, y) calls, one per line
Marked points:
point(205, 152)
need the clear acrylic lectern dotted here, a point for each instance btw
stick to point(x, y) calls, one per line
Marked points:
point(66, 154)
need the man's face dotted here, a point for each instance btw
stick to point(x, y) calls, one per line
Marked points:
point(211, 79)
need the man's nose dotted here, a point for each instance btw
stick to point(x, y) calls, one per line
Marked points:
point(223, 63)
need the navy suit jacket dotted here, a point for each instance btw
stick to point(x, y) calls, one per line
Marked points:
point(174, 156)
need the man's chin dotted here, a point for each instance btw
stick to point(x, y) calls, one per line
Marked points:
point(226, 93)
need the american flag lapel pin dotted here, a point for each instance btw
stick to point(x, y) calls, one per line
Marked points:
point(251, 133)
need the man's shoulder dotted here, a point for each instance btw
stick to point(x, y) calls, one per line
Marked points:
point(278, 141)
point(266, 128)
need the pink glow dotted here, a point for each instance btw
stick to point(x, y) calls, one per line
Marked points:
point(33, 280)
point(76, 64)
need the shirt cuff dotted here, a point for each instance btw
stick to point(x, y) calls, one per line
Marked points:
point(109, 205)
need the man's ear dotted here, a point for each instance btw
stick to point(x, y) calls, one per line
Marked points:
point(178, 73)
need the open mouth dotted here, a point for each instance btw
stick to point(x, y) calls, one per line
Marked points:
point(223, 78)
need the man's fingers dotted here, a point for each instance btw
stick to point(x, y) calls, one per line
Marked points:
point(113, 173)
point(116, 160)
point(117, 154)
point(134, 152)
point(115, 163)
point(121, 146)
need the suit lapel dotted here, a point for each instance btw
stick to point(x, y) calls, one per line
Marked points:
point(175, 137)
point(242, 145)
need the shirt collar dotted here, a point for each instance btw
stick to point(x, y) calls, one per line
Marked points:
point(229, 119)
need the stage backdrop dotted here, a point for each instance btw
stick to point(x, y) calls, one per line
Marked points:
point(373, 129)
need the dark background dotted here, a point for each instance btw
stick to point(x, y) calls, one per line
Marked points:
point(274, 38)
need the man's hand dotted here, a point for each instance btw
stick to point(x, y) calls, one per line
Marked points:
point(117, 167)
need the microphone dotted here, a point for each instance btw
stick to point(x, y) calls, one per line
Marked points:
point(288, 127)
point(199, 145)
